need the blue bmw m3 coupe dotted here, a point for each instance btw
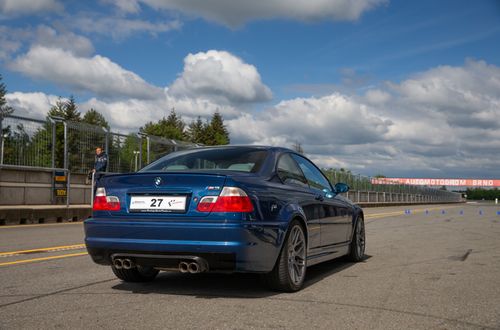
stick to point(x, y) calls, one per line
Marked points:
point(266, 210)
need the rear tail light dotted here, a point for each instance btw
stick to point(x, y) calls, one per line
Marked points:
point(105, 203)
point(231, 199)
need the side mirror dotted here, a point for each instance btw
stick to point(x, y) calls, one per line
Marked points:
point(341, 188)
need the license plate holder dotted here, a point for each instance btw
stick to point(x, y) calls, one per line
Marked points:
point(158, 204)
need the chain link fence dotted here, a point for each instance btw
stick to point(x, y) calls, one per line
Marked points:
point(80, 141)
point(27, 142)
point(124, 152)
point(71, 145)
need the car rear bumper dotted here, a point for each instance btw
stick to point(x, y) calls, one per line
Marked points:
point(226, 246)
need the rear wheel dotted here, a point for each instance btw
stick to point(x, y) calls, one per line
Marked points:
point(358, 243)
point(136, 274)
point(290, 269)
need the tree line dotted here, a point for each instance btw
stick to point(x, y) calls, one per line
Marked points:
point(482, 193)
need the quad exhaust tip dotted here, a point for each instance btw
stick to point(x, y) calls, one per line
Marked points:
point(191, 267)
point(119, 263)
point(183, 267)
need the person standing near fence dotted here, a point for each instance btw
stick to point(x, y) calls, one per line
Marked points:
point(101, 161)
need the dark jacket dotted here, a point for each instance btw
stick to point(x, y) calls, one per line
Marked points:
point(101, 162)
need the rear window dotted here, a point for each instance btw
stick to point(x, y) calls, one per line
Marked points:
point(225, 159)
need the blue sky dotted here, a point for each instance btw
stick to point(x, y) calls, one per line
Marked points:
point(400, 87)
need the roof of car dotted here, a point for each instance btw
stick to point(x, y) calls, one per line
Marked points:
point(231, 146)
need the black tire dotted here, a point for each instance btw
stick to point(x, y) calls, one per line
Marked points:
point(290, 269)
point(136, 274)
point(358, 243)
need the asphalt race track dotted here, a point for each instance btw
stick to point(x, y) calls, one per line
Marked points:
point(438, 269)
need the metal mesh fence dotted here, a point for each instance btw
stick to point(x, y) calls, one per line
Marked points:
point(123, 152)
point(81, 141)
point(26, 142)
point(158, 147)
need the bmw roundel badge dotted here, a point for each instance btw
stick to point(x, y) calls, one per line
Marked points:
point(157, 181)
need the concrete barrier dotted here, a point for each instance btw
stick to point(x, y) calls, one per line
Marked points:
point(27, 196)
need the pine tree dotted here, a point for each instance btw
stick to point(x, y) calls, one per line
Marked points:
point(4, 108)
point(175, 121)
point(94, 117)
point(66, 110)
point(196, 130)
point(171, 127)
point(217, 133)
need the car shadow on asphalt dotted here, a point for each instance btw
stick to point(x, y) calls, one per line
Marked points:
point(216, 285)
point(323, 270)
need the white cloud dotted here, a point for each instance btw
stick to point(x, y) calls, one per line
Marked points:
point(238, 12)
point(126, 6)
point(13, 39)
point(29, 6)
point(119, 27)
point(51, 38)
point(441, 121)
point(220, 76)
point(33, 105)
point(467, 96)
point(97, 74)
point(130, 114)
point(333, 119)
point(377, 97)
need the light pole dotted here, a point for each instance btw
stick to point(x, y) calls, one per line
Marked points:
point(136, 156)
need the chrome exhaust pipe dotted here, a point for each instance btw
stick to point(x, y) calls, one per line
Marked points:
point(118, 263)
point(183, 267)
point(193, 268)
point(128, 264)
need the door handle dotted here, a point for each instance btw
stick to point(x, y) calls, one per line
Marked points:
point(319, 198)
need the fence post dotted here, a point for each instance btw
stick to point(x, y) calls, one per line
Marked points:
point(1, 139)
point(106, 141)
point(53, 151)
point(68, 187)
point(148, 148)
point(65, 145)
point(140, 151)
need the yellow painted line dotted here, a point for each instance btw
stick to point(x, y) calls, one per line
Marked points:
point(42, 259)
point(47, 249)
point(42, 225)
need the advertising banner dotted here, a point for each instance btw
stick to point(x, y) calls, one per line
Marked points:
point(439, 182)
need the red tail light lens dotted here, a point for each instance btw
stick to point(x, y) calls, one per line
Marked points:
point(231, 199)
point(105, 203)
